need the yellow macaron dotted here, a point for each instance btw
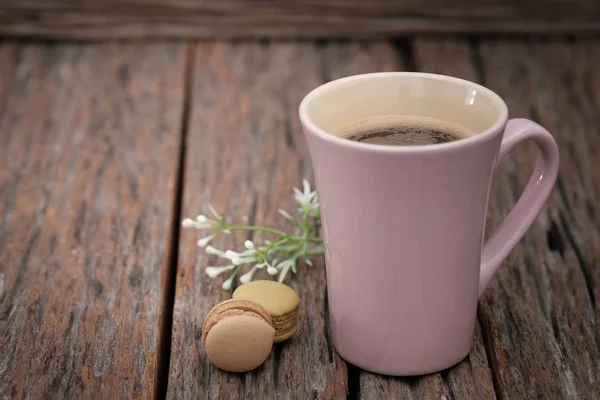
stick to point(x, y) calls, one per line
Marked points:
point(280, 301)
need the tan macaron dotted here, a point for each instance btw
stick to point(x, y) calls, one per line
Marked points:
point(237, 335)
point(279, 300)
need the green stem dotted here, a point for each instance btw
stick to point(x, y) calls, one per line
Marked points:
point(288, 248)
point(235, 272)
point(297, 255)
point(276, 245)
point(273, 231)
point(256, 229)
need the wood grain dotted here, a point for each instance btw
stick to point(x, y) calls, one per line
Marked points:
point(99, 19)
point(538, 315)
point(245, 152)
point(553, 286)
point(89, 138)
point(88, 158)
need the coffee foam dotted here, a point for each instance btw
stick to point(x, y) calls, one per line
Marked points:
point(414, 130)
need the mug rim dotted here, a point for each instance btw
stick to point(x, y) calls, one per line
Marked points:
point(479, 137)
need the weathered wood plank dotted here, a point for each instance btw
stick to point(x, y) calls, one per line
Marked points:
point(88, 159)
point(98, 19)
point(472, 377)
point(537, 317)
point(576, 93)
point(541, 313)
point(245, 151)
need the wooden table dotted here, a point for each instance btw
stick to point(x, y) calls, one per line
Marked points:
point(105, 147)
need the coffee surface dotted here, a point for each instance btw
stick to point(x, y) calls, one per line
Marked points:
point(404, 131)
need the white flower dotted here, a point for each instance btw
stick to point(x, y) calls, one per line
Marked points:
point(247, 260)
point(247, 276)
point(284, 267)
point(285, 214)
point(278, 258)
point(187, 223)
point(213, 272)
point(307, 199)
point(190, 223)
point(233, 256)
point(245, 257)
point(201, 222)
point(227, 284)
point(230, 253)
point(214, 212)
point(215, 251)
point(204, 241)
point(272, 268)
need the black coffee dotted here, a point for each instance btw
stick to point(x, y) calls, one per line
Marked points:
point(405, 131)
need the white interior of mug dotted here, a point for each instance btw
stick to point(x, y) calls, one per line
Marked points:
point(345, 101)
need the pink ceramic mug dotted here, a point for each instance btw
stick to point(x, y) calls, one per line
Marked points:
point(404, 225)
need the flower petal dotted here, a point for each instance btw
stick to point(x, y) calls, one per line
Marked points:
point(306, 186)
point(283, 273)
point(204, 241)
point(213, 272)
point(236, 260)
point(297, 193)
point(214, 251)
point(285, 214)
point(227, 284)
point(230, 254)
point(188, 223)
point(214, 212)
point(247, 277)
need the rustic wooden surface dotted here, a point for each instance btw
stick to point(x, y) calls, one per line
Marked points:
point(88, 158)
point(96, 300)
point(548, 289)
point(99, 19)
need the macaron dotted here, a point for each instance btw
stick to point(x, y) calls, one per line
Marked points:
point(279, 300)
point(237, 335)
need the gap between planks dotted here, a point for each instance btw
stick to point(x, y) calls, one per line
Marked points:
point(172, 258)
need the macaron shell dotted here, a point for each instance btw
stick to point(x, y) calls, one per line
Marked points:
point(229, 312)
point(239, 343)
point(237, 304)
point(278, 299)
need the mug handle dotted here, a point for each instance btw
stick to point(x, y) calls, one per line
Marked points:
point(531, 201)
